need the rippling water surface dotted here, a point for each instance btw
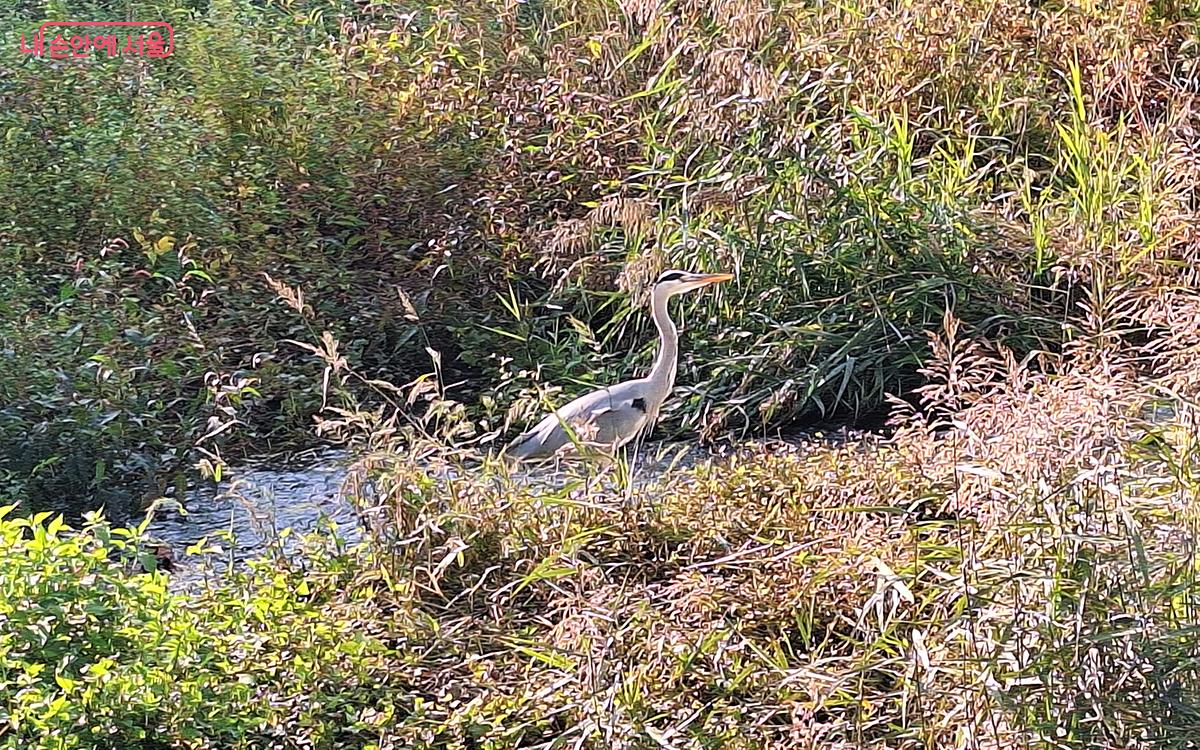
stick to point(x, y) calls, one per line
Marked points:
point(260, 502)
point(257, 504)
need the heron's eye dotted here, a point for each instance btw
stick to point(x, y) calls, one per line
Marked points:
point(669, 276)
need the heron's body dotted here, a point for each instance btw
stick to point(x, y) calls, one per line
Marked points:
point(608, 418)
point(604, 419)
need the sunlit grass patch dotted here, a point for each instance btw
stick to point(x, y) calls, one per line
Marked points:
point(1012, 567)
point(987, 574)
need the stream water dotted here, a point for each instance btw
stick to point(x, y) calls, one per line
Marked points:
point(244, 516)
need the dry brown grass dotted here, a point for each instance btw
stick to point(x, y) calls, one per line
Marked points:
point(1012, 567)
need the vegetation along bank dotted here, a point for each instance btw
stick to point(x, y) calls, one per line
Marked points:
point(408, 228)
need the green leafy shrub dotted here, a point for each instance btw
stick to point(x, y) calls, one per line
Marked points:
point(93, 655)
point(145, 199)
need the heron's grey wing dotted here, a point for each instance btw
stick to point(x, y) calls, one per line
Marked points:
point(606, 417)
point(548, 435)
point(621, 417)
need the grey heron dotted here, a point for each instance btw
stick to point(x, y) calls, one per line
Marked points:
point(608, 418)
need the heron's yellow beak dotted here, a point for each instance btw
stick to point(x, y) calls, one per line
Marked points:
point(714, 278)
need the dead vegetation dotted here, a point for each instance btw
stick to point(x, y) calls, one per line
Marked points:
point(1012, 567)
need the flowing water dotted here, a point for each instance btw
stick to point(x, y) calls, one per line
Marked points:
point(244, 518)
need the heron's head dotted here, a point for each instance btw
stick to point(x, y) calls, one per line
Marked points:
point(671, 283)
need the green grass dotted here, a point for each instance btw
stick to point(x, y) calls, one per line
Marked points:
point(424, 226)
point(1024, 581)
point(520, 173)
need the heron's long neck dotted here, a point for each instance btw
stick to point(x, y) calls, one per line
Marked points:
point(662, 373)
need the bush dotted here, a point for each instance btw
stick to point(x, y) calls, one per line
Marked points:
point(144, 199)
point(93, 655)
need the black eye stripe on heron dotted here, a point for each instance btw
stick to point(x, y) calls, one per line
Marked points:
point(670, 276)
